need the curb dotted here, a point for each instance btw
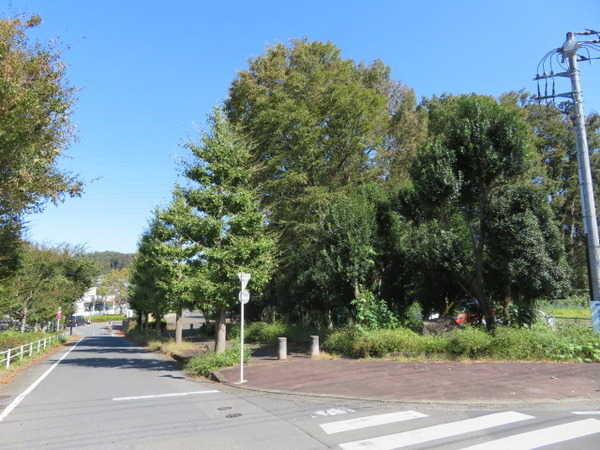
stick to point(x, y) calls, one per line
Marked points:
point(217, 377)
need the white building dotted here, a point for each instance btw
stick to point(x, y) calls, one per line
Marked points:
point(92, 304)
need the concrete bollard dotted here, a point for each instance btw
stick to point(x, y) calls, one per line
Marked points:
point(282, 353)
point(314, 347)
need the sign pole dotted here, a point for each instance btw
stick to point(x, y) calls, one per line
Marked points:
point(244, 297)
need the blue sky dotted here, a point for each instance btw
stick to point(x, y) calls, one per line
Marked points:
point(150, 72)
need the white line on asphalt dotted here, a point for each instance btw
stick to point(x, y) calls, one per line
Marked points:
point(177, 394)
point(435, 432)
point(586, 413)
point(24, 394)
point(370, 421)
point(544, 436)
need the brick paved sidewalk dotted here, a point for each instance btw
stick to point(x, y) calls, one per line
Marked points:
point(460, 382)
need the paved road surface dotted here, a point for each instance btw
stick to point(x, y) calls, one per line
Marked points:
point(103, 392)
point(108, 393)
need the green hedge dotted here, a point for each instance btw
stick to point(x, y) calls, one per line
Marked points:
point(105, 318)
point(539, 343)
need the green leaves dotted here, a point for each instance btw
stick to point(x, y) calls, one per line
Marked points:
point(46, 279)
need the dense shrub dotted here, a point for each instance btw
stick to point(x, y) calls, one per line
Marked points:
point(397, 342)
point(469, 342)
point(579, 343)
point(372, 313)
point(203, 365)
point(265, 333)
point(540, 343)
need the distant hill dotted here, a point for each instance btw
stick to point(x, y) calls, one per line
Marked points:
point(111, 260)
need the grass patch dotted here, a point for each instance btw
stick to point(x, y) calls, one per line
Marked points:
point(172, 348)
point(571, 312)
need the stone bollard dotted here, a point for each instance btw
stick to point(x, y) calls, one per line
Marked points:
point(314, 347)
point(282, 353)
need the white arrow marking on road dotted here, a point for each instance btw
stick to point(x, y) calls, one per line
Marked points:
point(177, 394)
point(544, 436)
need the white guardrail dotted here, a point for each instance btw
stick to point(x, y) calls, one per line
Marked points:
point(18, 353)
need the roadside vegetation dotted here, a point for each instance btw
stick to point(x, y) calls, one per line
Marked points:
point(14, 339)
point(358, 211)
point(361, 211)
point(105, 318)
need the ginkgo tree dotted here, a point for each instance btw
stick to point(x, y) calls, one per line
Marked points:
point(225, 220)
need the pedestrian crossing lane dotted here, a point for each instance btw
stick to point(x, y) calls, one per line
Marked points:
point(420, 436)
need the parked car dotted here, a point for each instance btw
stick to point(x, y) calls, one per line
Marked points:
point(468, 311)
point(75, 321)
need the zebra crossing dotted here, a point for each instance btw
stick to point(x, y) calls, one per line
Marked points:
point(415, 429)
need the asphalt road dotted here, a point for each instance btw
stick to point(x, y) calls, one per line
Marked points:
point(108, 393)
point(101, 391)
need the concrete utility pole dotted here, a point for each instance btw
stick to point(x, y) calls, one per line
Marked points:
point(588, 206)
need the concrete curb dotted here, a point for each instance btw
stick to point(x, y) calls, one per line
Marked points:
point(490, 404)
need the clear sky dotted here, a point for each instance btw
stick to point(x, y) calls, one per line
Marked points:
point(150, 71)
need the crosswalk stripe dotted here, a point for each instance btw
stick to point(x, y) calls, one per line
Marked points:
point(435, 432)
point(544, 436)
point(587, 413)
point(370, 421)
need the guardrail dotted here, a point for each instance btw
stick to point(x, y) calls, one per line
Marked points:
point(18, 353)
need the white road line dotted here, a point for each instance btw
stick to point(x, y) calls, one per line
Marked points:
point(544, 436)
point(586, 413)
point(177, 394)
point(370, 421)
point(24, 394)
point(435, 432)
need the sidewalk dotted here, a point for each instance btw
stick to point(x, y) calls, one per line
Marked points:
point(424, 382)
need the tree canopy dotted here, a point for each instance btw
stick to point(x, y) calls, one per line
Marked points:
point(349, 203)
point(36, 103)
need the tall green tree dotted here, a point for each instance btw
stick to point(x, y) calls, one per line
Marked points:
point(321, 124)
point(554, 140)
point(526, 253)
point(177, 258)
point(479, 149)
point(227, 223)
point(47, 278)
point(147, 293)
point(35, 126)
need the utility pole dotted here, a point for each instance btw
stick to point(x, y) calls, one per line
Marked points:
point(588, 207)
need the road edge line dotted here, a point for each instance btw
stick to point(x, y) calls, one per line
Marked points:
point(35, 384)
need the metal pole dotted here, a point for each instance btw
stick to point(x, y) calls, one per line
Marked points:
point(242, 344)
point(588, 207)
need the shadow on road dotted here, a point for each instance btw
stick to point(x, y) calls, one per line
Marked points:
point(116, 352)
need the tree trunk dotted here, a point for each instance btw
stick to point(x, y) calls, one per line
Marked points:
point(23, 319)
point(221, 331)
point(179, 326)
